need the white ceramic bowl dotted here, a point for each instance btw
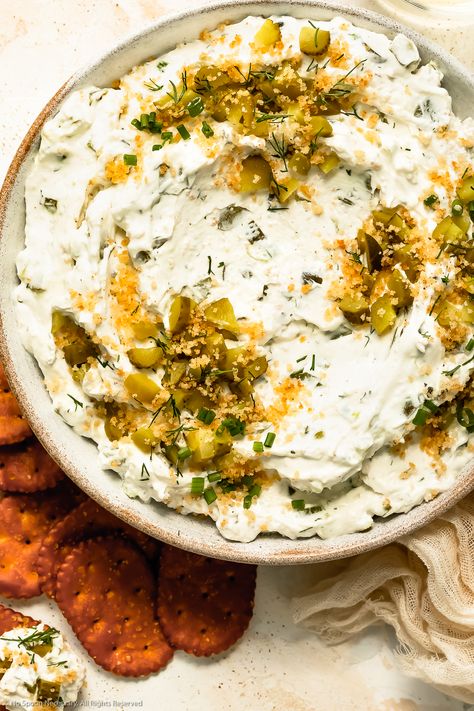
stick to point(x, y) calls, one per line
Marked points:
point(78, 456)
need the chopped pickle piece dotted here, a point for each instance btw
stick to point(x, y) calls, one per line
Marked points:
point(383, 215)
point(394, 283)
point(208, 78)
point(448, 231)
point(221, 314)
point(462, 221)
point(382, 314)
point(145, 439)
point(171, 453)
point(145, 357)
point(320, 126)
point(111, 429)
point(223, 442)
point(286, 188)
point(42, 649)
point(174, 373)
point(314, 41)
point(59, 321)
point(244, 387)
point(47, 690)
point(256, 175)
point(287, 82)
point(372, 250)
point(449, 313)
point(203, 444)
point(407, 261)
point(236, 107)
point(354, 306)
point(231, 357)
point(194, 400)
point(466, 189)
point(256, 368)
point(330, 162)
point(145, 329)
point(141, 387)
point(299, 164)
point(180, 313)
point(267, 35)
point(5, 665)
point(78, 353)
point(215, 345)
point(399, 226)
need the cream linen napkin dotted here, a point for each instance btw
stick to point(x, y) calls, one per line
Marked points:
point(423, 586)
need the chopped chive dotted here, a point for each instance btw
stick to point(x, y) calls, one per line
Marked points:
point(206, 129)
point(255, 490)
point(214, 476)
point(424, 412)
point(183, 132)
point(130, 159)
point(457, 208)
point(206, 416)
point(269, 439)
point(197, 485)
point(157, 147)
point(258, 446)
point(247, 480)
point(470, 344)
point(234, 426)
point(298, 504)
point(210, 495)
point(195, 107)
point(136, 123)
point(465, 417)
point(144, 120)
point(184, 453)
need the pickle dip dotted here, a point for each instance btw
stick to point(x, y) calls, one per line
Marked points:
point(248, 277)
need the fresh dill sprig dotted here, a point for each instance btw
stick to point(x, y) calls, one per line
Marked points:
point(176, 95)
point(153, 86)
point(280, 146)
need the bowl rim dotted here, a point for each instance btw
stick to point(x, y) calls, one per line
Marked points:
point(288, 551)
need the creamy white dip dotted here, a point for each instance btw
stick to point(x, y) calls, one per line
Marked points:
point(334, 444)
point(59, 666)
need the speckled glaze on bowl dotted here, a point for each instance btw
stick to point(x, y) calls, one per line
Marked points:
point(78, 456)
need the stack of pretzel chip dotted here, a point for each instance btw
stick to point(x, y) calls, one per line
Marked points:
point(130, 600)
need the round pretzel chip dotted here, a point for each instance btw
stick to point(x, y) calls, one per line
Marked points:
point(27, 468)
point(106, 590)
point(86, 521)
point(204, 605)
point(13, 428)
point(24, 521)
point(11, 619)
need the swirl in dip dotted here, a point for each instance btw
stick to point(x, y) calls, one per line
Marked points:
point(248, 276)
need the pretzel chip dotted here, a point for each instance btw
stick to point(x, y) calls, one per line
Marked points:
point(11, 619)
point(204, 605)
point(13, 428)
point(86, 521)
point(106, 590)
point(24, 521)
point(27, 468)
